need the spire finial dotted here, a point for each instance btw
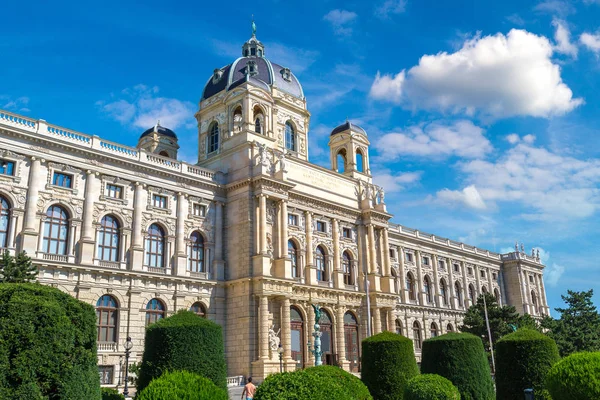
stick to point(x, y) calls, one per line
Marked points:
point(253, 26)
point(157, 125)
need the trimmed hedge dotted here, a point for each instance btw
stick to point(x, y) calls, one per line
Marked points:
point(460, 358)
point(430, 387)
point(576, 377)
point(187, 342)
point(315, 383)
point(523, 359)
point(182, 385)
point(388, 363)
point(111, 394)
point(47, 345)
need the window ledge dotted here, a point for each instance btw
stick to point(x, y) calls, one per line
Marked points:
point(113, 199)
point(61, 188)
point(13, 178)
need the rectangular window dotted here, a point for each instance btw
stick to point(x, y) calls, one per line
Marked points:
point(531, 278)
point(392, 254)
point(199, 210)
point(409, 257)
point(456, 268)
point(494, 276)
point(347, 233)
point(114, 191)
point(425, 260)
point(482, 273)
point(63, 180)
point(7, 167)
point(321, 226)
point(106, 373)
point(470, 271)
point(441, 264)
point(159, 201)
point(292, 219)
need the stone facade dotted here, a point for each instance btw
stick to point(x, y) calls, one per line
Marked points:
point(250, 236)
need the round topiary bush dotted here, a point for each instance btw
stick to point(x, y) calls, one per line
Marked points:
point(187, 342)
point(111, 394)
point(430, 387)
point(460, 358)
point(47, 344)
point(388, 363)
point(315, 383)
point(576, 377)
point(182, 385)
point(523, 359)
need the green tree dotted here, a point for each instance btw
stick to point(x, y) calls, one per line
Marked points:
point(17, 269)
point(578, 328)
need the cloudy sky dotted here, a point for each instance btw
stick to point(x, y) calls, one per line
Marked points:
point(483, 116)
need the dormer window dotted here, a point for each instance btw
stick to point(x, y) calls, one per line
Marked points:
point(217, 75)
point(286, 74)
point(251, 67)
point(253, 51)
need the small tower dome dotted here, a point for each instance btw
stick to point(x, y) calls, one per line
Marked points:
point(159, 140)
point(349, 149)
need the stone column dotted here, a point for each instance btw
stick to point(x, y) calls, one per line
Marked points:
point(403, 293)
point(180, 248)
point(10, 241)
point(286, 332)
point(218, 263)
point(451, 284)
point(478, 281)
point(420, 294)
point(527, 298)
point(437, 298)
point(32, 196)
point(88, 206)
point(309, 275)
point(391, 320)
point(283, 232)
point(386, 253)
point(376, 320)
point(340, 337)
point(543, 300)
point(137, 248)
point(263, 327)
point(337, 272)
point(263, 223)
point(372, 252)
point(71, 243)
point(465, 286)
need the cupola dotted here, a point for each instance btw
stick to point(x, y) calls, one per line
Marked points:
point(159, 140)
point(349, 149)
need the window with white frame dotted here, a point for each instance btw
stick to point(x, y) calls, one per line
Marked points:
point(408, 257)
point(199, 210)
point(62, 180)
point(292, 219)
point(159, 201)
point(425, 260)
point(7, 167)
point(321, 226)
point(114, 191)
point(107, 373)
point(347, 233)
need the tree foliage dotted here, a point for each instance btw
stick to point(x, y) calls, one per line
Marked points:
point(576, 377)
point(17, 269)
point(578, 328)
point(430, 387)
point(182, 385)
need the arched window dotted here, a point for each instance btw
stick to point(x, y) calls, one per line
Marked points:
point(352, 342)
point(155, 247)
point(398, 327)
point(56, 231)
point(196, 252)
point(297, 340)
point(107, 317)
point(444, 292)
point(427, 289)
point(258, 125)
point(341, 161)
point(347, 268)
point(360, 166)
point(4, 220)
point(321, 264)
point(450, 328)
point(417, 335)
point(410, 286)
point(258, 120)
point(326, 327)
point(155, 310)
point(293, 255)
point(497, 295)
point(434, 329)
point(213, 138)
point(483, 289)
point(108, 239)
point(534, 303)
point(472, 294)
point(290, 137)
point(458, 291)
point(199, 309)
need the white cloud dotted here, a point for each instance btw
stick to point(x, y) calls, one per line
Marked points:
point(495, 76)
point(341, 21)
point(390, 7)
point(553, 272)
point(516, 19)
point(395, 182)
point(19, 104)
point(555, 7)
point(529, 139)
point(513, 138)
point(141, 107)
point(435, 140)
point(591, 41)
point(562, 35)
point(469, 196)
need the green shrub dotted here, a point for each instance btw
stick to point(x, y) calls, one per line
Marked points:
point(459, 357)
point(47, 345)
point(430, 387)
point(187, 342)
point(316, 383)
point(388, 363)
point(182, 385)
point(523, 359)
point(576, 377)
point(111, 394)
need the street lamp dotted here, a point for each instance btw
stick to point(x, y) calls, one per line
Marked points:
point(128, 346)
point(280, 351)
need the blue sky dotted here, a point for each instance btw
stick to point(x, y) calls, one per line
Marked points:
point(483, 116)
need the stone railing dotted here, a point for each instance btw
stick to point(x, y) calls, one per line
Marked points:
point(235, 381)
point(55, 257)
point(45, 130)
point(108, 346)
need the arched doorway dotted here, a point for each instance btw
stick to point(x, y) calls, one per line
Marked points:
point(326, 337)
point(297, 330)
point(352, 343)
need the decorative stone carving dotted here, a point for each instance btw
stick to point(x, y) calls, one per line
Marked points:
point(274, 338)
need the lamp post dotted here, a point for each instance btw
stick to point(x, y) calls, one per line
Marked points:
point(316, 349)
point(280, 351)
point(128, 346)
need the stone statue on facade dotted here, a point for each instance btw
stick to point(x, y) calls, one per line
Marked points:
point(274, 338)
point(283, 162)
point(263, 156)
point(381, 195)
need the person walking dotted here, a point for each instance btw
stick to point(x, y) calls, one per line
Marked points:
point(249, 390)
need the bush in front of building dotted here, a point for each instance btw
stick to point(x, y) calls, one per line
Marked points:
point(182, 385)
point(315, 383)
point(576, 377)
point(183, 341)
point(460, 358)
point(430, 387)
point(388, 363)
point(111, 394)
point(47, 344)
point(523, 359)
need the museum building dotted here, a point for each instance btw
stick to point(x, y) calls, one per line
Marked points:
point(249, 237)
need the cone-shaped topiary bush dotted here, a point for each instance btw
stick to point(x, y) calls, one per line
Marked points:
point(523, 359)
point(576, 377)
point(460, 358)
point(388, 363)
point(315, 383)
point(187, 342)
point(430, 387)
point(47, 345)
point(182, 385)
